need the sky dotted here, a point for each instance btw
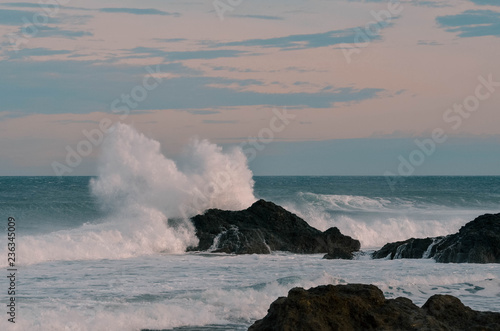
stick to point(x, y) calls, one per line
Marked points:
point(314, 87)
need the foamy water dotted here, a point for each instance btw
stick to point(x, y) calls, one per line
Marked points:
point(377, 221)
point(99, 254)
point(141, 189)
point(164, 291)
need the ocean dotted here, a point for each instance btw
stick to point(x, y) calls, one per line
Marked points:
point(87, 261)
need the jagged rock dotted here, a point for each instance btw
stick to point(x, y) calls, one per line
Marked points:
point(476, 242)
point(339, 246)
point(408, 249)
point(364, 307)
point(265, 227)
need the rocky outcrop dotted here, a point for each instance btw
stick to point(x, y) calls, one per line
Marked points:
point(476, 242)
point(408, 249)
point(266, 227)
point(364, 307)
point(338, 245)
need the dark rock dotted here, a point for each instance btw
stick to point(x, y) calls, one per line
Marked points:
point(408, 249)
point(476, 242)
point(339, 246)
point(452, 312)
point(364, 307)
point(338, 253)
point(265, 227)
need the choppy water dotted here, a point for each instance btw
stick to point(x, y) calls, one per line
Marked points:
point(97, 253)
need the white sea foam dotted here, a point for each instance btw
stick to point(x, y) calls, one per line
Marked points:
point(347, 202)
point(166, 291)
point(142, 189)
point(377, 221)
point(133, 172)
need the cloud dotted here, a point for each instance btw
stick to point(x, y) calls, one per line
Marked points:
point(305, 41)
point(203, 54)
point(248, 82)
point(432, 4)
point(188, 55)
point(487, 2)
point(219, 122)
point(65, 122)
point(429, 43)
point(170, 40)
point(200, 93)
point(260, 17)
point(66, 86)
point(21, 4)
point(40, 51)
point(137, 11)
point(301, 70)
point(232, 69)
point(48, 31)
point(420, 3)
point(472, 23)
point(202, 112)
point(15, 17)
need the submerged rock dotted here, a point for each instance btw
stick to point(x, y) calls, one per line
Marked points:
point(364, 307)
point(476, 242)
point(265, 227)
point(338, 253)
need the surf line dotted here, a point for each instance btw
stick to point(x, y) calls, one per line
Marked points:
point(11, 269)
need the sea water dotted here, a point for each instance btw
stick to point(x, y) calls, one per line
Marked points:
point(98, 253)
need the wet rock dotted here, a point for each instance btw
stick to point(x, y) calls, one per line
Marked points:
point(364, 307)
point(450, 311)
point(408, 249)
point(265, 227)
point(476, 242)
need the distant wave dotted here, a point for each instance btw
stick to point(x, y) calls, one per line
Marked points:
point(376, 221)
point(350, 202)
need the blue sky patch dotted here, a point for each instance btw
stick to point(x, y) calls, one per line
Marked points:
point(472, 23)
